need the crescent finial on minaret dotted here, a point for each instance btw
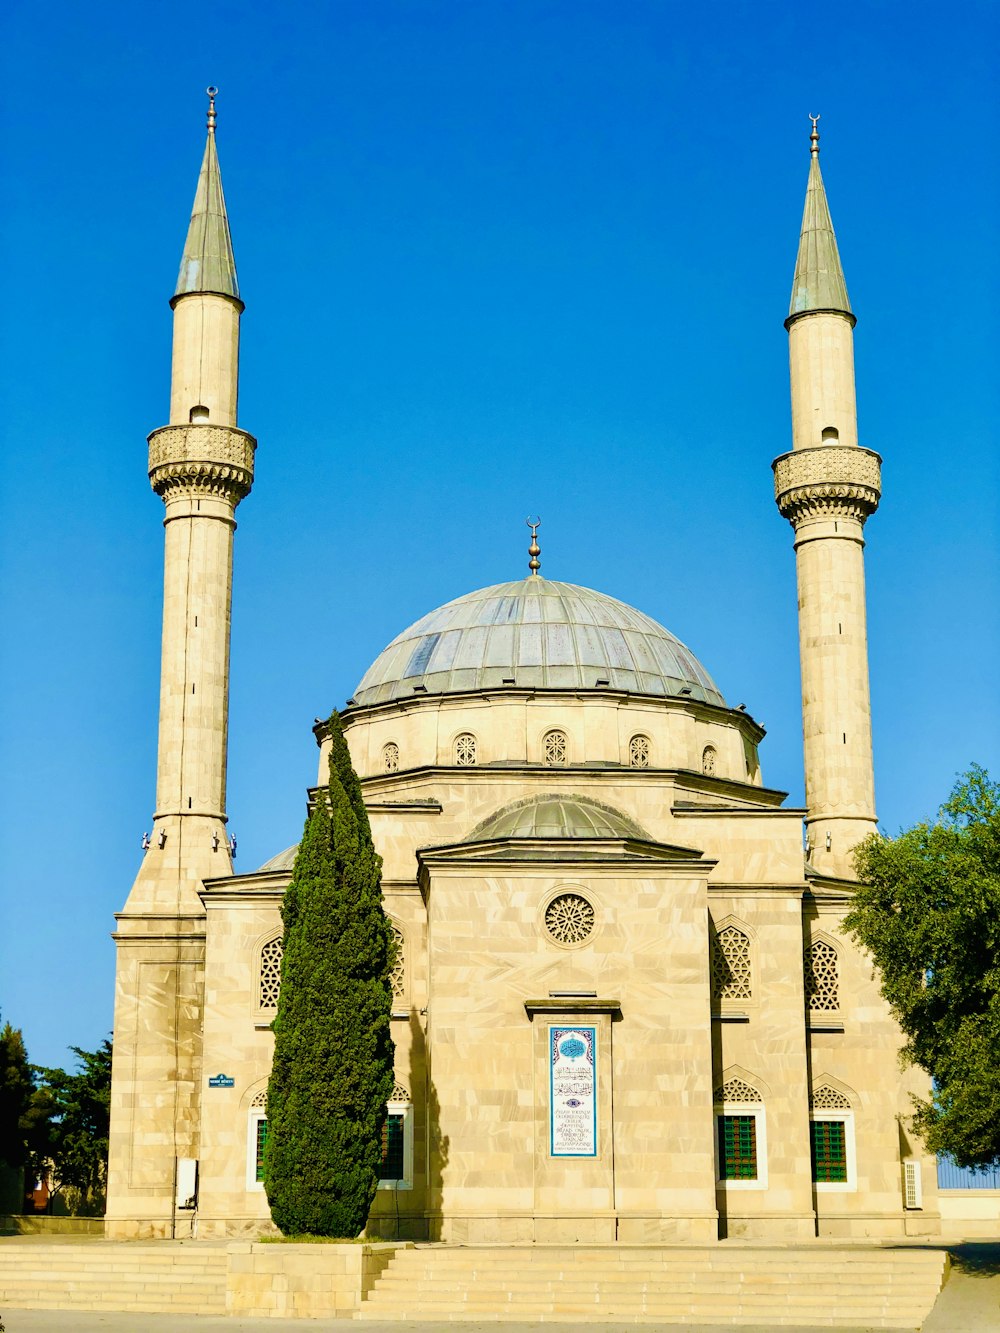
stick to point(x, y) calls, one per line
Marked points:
point(814, 137)
point(534, 550)
point(213, 93)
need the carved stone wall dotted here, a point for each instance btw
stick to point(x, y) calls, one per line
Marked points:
point(831, 479)
point(202, 459)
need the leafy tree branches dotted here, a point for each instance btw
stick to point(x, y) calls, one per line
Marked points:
point(928, 910)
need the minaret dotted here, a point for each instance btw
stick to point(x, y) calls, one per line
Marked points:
point(827, 487)
point(201, 466)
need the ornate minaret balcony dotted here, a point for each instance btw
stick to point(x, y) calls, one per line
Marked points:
point(827, 481)
point(201, 459)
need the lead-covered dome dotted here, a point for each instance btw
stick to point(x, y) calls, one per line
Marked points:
point(539, 634)
point(556, 816)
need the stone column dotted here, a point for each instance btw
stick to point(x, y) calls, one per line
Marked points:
point(827, 492)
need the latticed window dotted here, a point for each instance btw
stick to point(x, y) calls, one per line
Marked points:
point(708, 758)
point(269, 979)
point(732, 972)
point(554, 748)
point(390, 757)
point(736, 1090)
point(397, 977)
point(569, 919)
point(396, 1170)
point(828, 1141)
point(392, 1167)
point(260, 1147)
point(821, 977)
point(465, 750)
point(826, 1098)
point(638, 752)
point(737, 1147)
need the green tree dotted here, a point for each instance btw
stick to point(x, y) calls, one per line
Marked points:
point(928, 911)
point(333, 1055)
point(17, 1087)
point(78, 1107)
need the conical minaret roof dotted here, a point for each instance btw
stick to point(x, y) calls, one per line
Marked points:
point(208, 263)
point(819, 278)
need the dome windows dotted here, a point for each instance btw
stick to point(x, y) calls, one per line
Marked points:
point(390, 758)
point(709, 756)
point(465, 750)
point(554, 749)
point(638, 752)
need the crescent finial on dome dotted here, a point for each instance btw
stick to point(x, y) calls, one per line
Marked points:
point(534, 550)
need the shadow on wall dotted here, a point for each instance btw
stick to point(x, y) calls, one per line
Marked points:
point(437, 1143)
point(402, 1217)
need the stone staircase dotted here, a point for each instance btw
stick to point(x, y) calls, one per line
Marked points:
point(140, 1277)
point(814, 1286)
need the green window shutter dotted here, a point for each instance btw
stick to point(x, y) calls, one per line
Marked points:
point(829, 1151)
point(738, 1147)
point(392, 1148)
point(261, 1145)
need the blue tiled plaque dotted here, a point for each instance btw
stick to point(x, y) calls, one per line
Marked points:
point(572, 1092)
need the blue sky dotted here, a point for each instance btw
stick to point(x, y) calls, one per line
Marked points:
point(498, 258)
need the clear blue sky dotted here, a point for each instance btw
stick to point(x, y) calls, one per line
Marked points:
point(498, 258)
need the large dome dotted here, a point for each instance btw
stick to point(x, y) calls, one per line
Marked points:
point(538, 634)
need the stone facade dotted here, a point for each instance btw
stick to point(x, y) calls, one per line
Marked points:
point(562, 855)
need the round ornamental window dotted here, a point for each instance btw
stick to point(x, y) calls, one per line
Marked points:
point(569, 918)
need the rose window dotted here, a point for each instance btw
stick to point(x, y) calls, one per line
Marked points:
point(569, 919)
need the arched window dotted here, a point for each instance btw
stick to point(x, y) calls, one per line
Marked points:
point(397, 976)
point(269, 973)
point(732, 972)
point(554, 749)
point(396, 1172)
point(708, 758)
point(390, 758)
point(465, 750)
point(638, 752)
point(822, 979)
point(831, 1139)
point(742, 1141)
point(256, 1140)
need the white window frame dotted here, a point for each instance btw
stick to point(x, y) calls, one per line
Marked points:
point(404, 1109)
point(254, 1117)
point(755, 1109)
point(850, 1185)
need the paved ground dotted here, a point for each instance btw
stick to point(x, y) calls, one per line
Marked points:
point(970, 1303)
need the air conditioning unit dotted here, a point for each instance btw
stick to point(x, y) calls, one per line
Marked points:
point(186, 1193)
point(912, 1193)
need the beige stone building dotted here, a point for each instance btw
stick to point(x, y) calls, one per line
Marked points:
point(625, 1007)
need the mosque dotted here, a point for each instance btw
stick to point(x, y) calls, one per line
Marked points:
point(625, 1008)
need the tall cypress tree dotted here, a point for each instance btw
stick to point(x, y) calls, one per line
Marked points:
point(332, 1072)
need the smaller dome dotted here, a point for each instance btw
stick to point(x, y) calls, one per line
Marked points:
point(283, 861)
point(556, 816)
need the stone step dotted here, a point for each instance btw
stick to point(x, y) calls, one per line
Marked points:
point(655, 1274)
point(816, 1287)
point(773, 1321)
point(145, 1279)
